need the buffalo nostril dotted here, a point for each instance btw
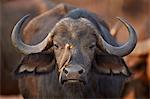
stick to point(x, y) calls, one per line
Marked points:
point(81, 71)
point(65, 71)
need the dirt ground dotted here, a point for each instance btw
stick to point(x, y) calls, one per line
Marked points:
point(11, 97)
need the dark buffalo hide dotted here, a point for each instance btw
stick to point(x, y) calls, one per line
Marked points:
point(105, 79)
point(38, 72)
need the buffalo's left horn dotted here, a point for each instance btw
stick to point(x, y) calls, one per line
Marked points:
point(124, 49)
point(17, 42)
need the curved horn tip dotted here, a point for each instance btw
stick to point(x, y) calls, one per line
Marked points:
point(123, 21)
point(25, 17)
point(126, 48)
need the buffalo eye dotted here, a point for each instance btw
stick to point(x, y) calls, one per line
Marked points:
point(92, 46)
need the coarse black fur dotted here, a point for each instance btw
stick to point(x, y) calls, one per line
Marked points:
point(98, 22)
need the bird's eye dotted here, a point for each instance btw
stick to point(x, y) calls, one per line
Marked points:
point(56, 46)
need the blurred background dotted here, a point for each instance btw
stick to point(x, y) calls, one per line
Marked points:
point(137, 12)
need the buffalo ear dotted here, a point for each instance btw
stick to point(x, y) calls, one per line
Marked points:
point(110, 64)
point(37, 63)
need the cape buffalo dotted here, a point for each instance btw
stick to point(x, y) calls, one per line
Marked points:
point(77, 59)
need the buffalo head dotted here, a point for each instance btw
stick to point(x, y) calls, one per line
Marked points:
point(74, 42)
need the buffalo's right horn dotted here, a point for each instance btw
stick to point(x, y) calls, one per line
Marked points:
point(17, 42)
